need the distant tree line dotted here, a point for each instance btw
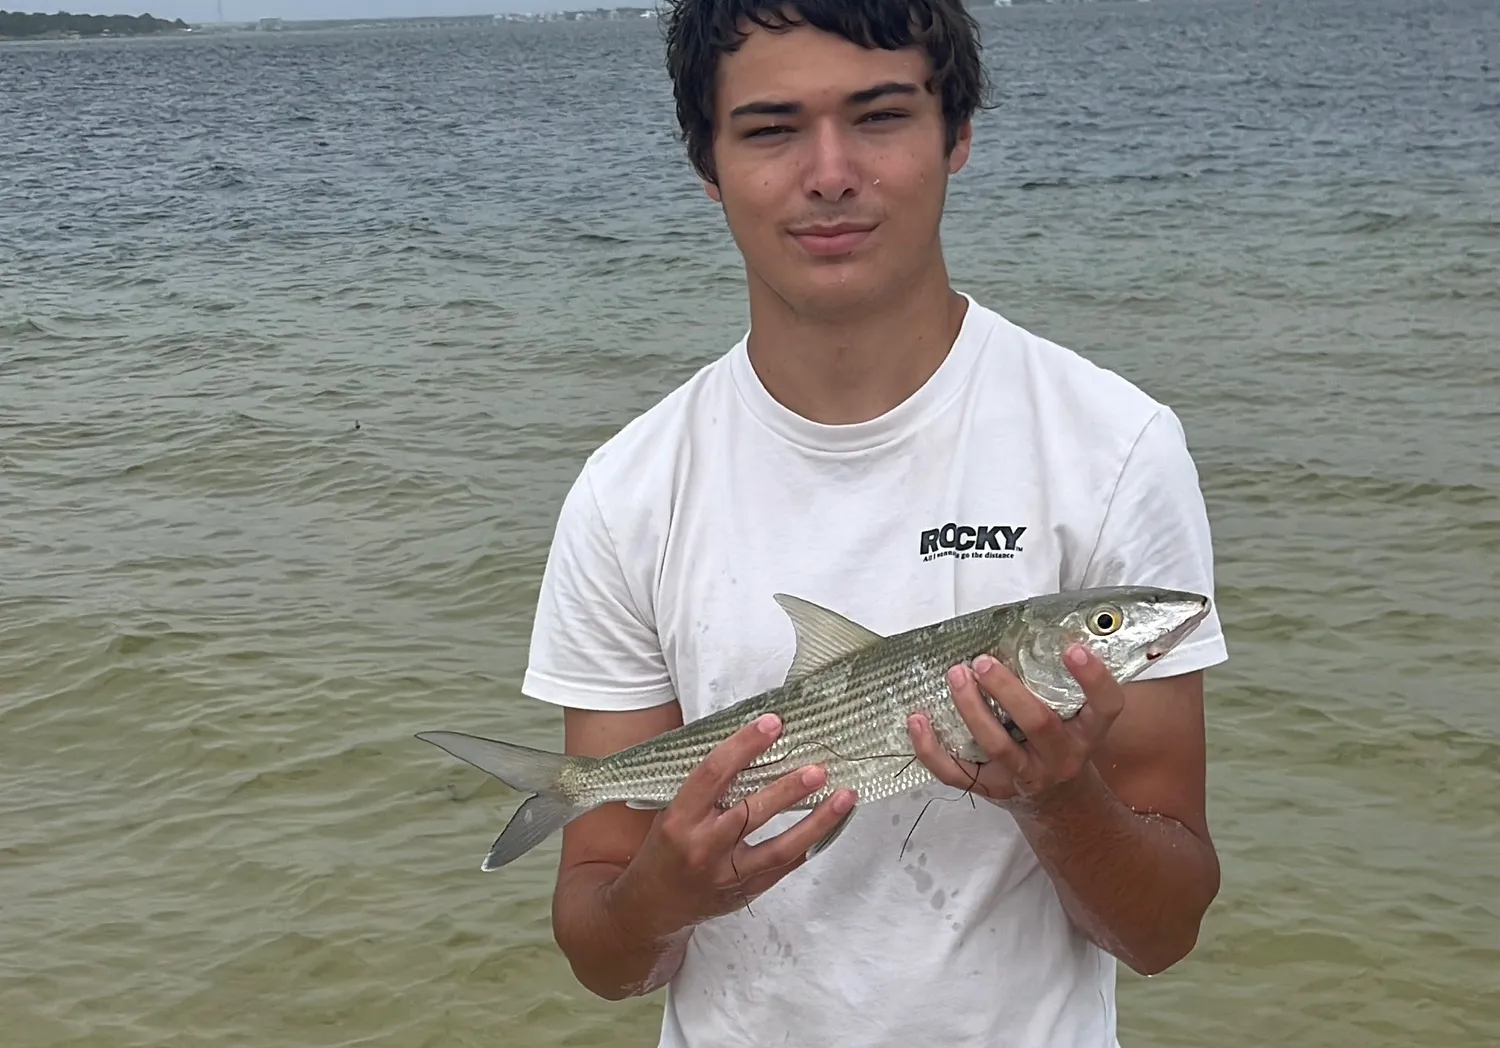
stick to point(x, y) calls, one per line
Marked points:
point(15, 25)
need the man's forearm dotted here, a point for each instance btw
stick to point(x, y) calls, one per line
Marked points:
point(615, 949)
point(1136, 884)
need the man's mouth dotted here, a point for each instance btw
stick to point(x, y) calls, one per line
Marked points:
point(834, 239)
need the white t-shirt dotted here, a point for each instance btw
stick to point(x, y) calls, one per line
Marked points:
point(1018, 468)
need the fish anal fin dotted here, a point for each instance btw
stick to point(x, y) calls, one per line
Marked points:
point(823, 636)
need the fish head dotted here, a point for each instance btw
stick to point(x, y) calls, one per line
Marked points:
point(1127, 627)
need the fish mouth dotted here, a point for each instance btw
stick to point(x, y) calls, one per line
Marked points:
point(1158, 648)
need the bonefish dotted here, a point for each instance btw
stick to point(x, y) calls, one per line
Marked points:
point(844, 705)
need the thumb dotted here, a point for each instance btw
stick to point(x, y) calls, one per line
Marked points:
point(1102, 692)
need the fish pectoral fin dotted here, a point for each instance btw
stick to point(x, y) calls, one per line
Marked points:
point(646, 805)
point(972, 752)
point(823, 636)
point(831, 836)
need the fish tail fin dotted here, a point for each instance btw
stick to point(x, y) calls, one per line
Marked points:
point(537, 772)
point(538, 818)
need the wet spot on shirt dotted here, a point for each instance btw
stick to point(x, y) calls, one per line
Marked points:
point(921, 878)
point(938, 898)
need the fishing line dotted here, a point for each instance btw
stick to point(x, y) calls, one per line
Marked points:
point(968, 792)
point(739, 882)
point(840, 756)
point(911, 759)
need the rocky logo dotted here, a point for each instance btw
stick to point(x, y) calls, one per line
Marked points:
point(993, 542)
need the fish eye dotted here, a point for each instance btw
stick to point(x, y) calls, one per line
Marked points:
point(1105, 621)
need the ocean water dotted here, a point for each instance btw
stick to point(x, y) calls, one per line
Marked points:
point(303, 336)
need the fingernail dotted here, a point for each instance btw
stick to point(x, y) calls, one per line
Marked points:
point(812, 777)
point(956, 676)
point(1076, 657)
point(843, 801)
point(984, 664)
point(769, 723)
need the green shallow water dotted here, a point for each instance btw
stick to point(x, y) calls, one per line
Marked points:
point(302, 338)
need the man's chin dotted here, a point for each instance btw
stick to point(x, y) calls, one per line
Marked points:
point(824, 288)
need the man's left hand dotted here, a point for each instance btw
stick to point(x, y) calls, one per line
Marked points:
point(1056, 752)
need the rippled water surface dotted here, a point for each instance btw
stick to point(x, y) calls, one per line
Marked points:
point(303, 336)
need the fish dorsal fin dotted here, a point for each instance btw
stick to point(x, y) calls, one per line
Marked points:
point(823, 636)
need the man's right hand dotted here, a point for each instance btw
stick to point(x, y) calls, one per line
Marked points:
point(694, 863)
point(632, 884)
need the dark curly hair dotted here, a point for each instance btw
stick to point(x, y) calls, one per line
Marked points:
point(699, 31)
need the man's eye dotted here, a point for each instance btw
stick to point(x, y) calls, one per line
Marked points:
point(884, 115)
point(763, 132)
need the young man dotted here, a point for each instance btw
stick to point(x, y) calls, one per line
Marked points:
point(872, 423)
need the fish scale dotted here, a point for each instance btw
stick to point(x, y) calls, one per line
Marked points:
point(844, 706)
point(850, 718)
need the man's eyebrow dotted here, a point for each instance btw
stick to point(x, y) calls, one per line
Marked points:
point(890, 87)
point(858, 98)
point(766, 109)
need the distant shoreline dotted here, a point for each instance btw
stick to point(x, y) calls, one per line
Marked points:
point(15, 25)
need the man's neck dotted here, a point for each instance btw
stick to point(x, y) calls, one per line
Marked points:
point(838, 371)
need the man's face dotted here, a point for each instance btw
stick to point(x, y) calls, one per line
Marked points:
point(831, 167)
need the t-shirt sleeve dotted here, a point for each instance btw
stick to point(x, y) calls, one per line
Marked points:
point(1155, 532)
point(594, 643)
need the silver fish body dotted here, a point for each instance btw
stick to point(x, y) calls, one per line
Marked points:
point(844, 705)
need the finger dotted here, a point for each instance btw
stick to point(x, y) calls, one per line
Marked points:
point(1104, 695)
point(1085, 725)
point(758, 883)
point(992, 779)
point(700, 791)
point(768, 801)
point(981, 720)
point(945, 767)
point(1054, 750)
point(789, 847)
